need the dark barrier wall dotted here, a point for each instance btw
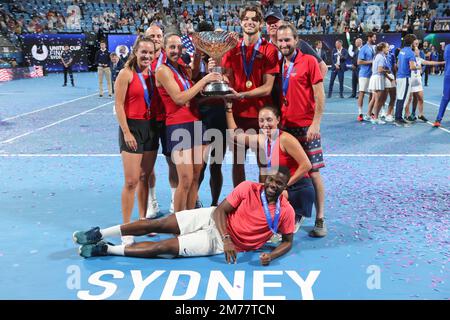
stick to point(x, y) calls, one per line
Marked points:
point(45, 50)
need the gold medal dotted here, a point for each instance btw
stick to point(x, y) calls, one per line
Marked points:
point(248, 84)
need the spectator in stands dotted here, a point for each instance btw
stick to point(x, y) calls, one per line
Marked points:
point(67, 60)
point(102, 61)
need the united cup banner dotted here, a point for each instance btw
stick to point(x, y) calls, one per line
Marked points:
point(45, 50)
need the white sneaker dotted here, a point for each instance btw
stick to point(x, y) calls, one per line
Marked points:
point(298, 223)
point(152, 209)
point(171, 210)
point(389, 118)
point(126, 240)
point(373, 121)
point(379, 121)
point(367, 118)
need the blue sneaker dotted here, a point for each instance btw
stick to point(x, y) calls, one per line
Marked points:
point(87, 237)
point(93, 250)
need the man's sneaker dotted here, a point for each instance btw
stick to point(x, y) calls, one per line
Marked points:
point(298, 222)
point(198, 204)
point(320, 229)
point(437, 124)
point(389, 118)
point(411, 118)
point(422, 117)
point(93, 250)
point(401, 123)
point(152, 209)
point(360, 117)
point(127, 240)
point(87, 237)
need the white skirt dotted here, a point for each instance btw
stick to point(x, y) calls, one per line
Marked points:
point(377, 82)
point(416, 83)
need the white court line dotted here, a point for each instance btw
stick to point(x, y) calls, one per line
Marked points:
point(54, 123)
point(46, 108)
point(431, 103)
point(109, 155)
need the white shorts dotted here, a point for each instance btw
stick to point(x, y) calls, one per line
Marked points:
point(403, 89)
point(376, 83)
point(198, 233)
point(363, 84)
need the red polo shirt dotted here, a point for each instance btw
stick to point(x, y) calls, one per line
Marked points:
point(266, 62)
point(299, 112)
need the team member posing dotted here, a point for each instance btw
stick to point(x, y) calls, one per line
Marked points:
point(250, 68)
point(244, 221)
point(302, 107)
point(134, 89)
point(278, 148)
point(187, 149)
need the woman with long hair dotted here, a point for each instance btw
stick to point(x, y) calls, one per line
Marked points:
point(184, 130)
point(138, 142)
point(377, 84)
point(278, 148)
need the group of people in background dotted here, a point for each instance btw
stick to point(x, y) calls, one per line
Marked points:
point(381, 73)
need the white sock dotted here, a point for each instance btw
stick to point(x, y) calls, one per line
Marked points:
point(173, 192)
point(152, 194)
point(111, 232)
point(118, 250)
point(359, 110)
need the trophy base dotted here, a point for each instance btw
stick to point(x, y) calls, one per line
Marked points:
point(219, 88)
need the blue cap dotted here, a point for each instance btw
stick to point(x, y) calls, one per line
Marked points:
point(274, 12)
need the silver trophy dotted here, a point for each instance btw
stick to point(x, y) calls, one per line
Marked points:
point(215, 44)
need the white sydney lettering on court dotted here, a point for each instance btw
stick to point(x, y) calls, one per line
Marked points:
point(234, 288)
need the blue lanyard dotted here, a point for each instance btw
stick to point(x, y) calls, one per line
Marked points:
point(249, 67)
point(273, 225)
point(272, 145)
point(287, 75)
point(148, 94)
point(182, 77)
point(160, 59)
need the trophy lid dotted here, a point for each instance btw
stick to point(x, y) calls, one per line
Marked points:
point(215, 43)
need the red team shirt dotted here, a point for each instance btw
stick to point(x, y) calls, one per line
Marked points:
point(300, 95)
point(158, 111)
point(266, 62)
point(134, 104)
point(176, 114)
point(247, 224)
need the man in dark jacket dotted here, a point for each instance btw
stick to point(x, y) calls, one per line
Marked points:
point(355, 69)
point(338, 67)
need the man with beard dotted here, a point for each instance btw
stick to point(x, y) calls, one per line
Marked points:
point(250, 69)
point(302, 105)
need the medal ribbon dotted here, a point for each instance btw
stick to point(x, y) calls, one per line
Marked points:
point(148, 94)
point(273, 224)
point(287, 74)
point(249, 67)
point(182, 77)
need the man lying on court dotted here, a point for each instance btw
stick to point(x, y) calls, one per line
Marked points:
point(244, 221)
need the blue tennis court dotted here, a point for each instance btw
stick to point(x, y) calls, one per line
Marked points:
point(387, 208)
